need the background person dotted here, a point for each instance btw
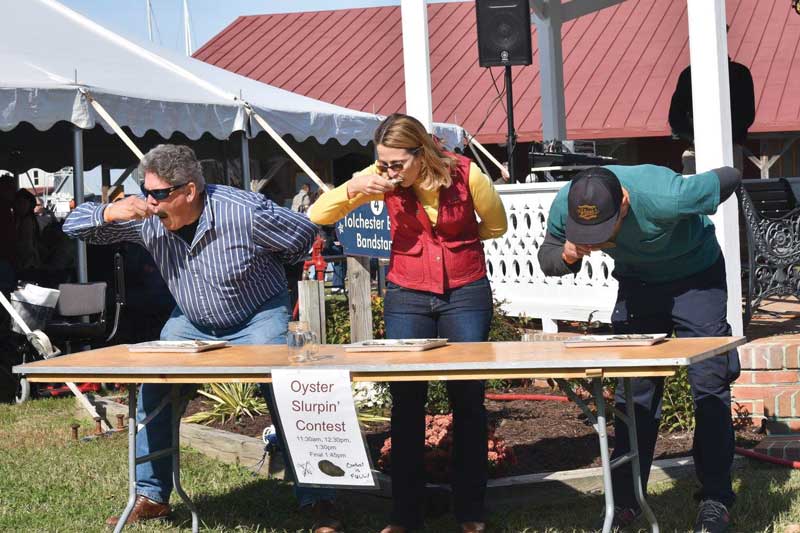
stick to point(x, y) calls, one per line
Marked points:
point(653, 222)
point(302, 199)
point(437, 287)
point(743, 112)
point(8, 233)
point(220, 251)
point(27, 228)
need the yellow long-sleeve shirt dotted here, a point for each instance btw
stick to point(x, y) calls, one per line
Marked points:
point(334, 204)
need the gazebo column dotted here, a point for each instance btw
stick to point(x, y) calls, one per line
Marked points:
point(708, 48)
point(551, 69)
point(416, 61)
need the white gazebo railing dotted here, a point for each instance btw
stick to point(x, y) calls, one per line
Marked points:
point(514, 272)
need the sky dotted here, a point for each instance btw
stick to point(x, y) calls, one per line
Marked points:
point(206, 17)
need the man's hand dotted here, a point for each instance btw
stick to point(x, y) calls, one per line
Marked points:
point(131, 208)
point(369, 184)
point(575, 252)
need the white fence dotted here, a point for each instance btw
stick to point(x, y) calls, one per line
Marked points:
point(514, 271)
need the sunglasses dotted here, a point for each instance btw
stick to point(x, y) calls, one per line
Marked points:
point(160, 194)
point(383, 168)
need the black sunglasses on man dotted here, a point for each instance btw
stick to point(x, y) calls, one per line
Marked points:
point(160, 194)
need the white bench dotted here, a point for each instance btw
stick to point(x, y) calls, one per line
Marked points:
point(514, 272)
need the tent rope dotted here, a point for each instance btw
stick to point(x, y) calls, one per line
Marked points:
point(286, 148)
point(111, 122)
point(480, 147)
point(263, 123)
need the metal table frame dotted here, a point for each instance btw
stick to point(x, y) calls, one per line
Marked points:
point(598, 423)
point(560, 371)
point(173, 451)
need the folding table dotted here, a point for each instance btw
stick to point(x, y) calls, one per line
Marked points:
point(470, 360)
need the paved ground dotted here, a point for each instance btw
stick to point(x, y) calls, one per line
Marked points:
point(777, 317)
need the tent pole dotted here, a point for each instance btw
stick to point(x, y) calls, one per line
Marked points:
point(105, 181)
point(77, 188)
point(245, 161)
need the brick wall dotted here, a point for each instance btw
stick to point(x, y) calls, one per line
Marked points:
point(768, 391)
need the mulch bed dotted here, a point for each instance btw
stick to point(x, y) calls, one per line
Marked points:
point(545, 436)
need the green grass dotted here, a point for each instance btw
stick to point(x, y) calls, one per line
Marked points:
point(50, 484)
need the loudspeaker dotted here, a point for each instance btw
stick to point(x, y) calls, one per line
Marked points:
point(504, 32)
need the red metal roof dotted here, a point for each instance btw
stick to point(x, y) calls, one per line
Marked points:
point(621, 64)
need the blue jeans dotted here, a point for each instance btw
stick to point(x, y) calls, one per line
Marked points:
point(463, 314)
point(691, 307)
point(267, 326)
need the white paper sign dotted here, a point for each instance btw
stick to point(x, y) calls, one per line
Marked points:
point(319, 420)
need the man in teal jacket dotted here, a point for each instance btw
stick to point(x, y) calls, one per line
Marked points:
point(654, 223)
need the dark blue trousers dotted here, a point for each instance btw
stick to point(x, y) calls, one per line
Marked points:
point(691, 307)
point(462, 314)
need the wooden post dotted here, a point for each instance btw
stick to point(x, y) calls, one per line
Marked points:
point(311, 295)
point(360, 303)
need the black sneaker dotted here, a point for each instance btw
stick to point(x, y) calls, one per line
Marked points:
point(623, 517)
point(712, 517)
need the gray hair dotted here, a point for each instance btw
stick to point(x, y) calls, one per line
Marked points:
point(175, 164)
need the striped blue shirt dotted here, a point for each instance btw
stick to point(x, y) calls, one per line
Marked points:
point(233, 265)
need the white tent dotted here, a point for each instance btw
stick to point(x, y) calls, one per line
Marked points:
point(48, 52)
point(53, 59)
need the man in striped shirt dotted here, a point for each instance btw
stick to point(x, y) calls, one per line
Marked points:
point(220, 251)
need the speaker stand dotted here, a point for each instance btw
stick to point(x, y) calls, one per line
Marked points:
point(512, 136)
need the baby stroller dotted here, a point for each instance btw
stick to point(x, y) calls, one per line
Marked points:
point(32, 305)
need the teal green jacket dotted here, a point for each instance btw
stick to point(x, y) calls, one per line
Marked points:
point(666, 234)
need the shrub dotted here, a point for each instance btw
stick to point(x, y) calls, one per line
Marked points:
point(677, 409)
point(438, 449)
point(504, 327)
point(229, 401)
point(337, 320)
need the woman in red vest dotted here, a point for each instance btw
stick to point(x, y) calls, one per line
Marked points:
point(437, 287)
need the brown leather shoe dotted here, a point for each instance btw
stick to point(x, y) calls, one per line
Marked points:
point(323, 513)
point(143, 509)
point(473, 527)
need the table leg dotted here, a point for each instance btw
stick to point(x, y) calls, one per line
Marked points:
point(599, 423)
point(635, 469)
point(176, 456)
point(605, 458)
point(131, 458)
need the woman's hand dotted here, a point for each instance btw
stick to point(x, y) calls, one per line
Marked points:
point(369, 184)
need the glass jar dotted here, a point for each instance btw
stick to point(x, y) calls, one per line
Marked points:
point(301, 341)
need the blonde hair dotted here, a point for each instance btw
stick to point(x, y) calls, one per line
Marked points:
point(406, 132)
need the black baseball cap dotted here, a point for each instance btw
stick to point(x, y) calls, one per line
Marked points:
point(593, 203)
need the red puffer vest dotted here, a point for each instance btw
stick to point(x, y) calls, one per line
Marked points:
point(431, 260)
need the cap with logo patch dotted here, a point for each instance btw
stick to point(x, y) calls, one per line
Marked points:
point(593, 204)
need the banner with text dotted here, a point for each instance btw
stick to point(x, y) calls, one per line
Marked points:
point(365, 231)
point(321, 428)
